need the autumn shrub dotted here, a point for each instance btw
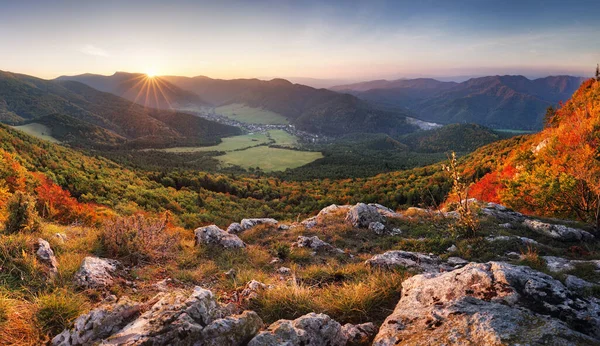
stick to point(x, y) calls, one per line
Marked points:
point(138, 239)
point(58, 309)
point(22, 215)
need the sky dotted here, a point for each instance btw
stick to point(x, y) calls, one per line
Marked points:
point(342, 40)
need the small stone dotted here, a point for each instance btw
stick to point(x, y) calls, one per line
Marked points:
point(284, 271)
point(377, 228)
point(283, 227)
point(213, 235)
point(96, 272)
point(452, 248)
point(359, 334)
point(457, 261)
point(231, 273)
point(507, 225)
point(235, 228)
point(46, 255)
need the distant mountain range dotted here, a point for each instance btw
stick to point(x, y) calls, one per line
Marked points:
point(68, 105)
point(150, 92)
point(319, 111)
point(511, 102)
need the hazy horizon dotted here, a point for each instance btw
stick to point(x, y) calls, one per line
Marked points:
point(338, 40)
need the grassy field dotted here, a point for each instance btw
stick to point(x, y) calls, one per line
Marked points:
point(269, 159)
point(228, 144)
point(38, 130)
point(251, 115)
point(283, 138)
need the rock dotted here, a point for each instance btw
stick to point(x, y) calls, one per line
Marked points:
point(560, 232)
point(359, 334)
point(362, 215)
point(385, 211)
point(99, 323)
point(526, 241)
point(174, 318)
point(213, 235)
point(275, 260)
point(456, 261)
point(377, 228)
point(252, 289)
point(502, 213)
point(249, 223)
point(231, 273)
point(284, 271)
point(308, 330)
point(61, 236)
point(395, 231)
point(559, 264)
point(235, 228)
point(310, 222)
point(316, 244)
point(490, 304)
point(507, 225)
point(46, 255)
point(334, 208)
point(410, 260)
point(513, 255)
point(162, 285)
point(96, 272)
point(452, 248)
point(283, 227)
point(231, 330)
point(576, 284)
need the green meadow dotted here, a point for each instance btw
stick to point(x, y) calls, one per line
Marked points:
point(38, 130)
point(269, 159)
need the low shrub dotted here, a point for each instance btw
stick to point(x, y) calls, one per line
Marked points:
point(138, 239)
point(22, 215)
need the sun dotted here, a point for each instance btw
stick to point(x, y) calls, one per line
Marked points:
point(151, 73)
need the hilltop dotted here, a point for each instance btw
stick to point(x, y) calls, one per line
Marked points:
point(318, 111)
point(502, 102)
point(67, 104)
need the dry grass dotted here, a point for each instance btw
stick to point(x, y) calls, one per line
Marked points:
point(370, 296)
point(18, 326)
point(56, 310)
point(532, 259)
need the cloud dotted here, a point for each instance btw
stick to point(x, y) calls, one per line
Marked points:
point(90, 49)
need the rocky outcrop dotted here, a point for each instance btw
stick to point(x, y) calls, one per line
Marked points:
point(359, 334)
point(252, 290)
point(46, 255)
point(175, 318)
point(524, 240)
point(410, 260)
point(560, 232)
point(385, 211)
point(249, 223)
point(503, 213)
point(235, 228)
point(559, 264)
point(96, 272)
point(311, 329)
point(362, 215)
point(213, 235)
point(490, 304)
point(99, 323)
point(316, 244)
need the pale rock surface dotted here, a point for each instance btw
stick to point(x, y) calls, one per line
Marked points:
point(490, 304)
point(235, 228)
point(308, 330)
point(213, 235)
point(96, 272)
point(46, 255)
point(560, 232)
point(359, 334)
point(316, 244)
point(174, 318)
point(362, 215)
point(249, 223)
point(410, 260)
